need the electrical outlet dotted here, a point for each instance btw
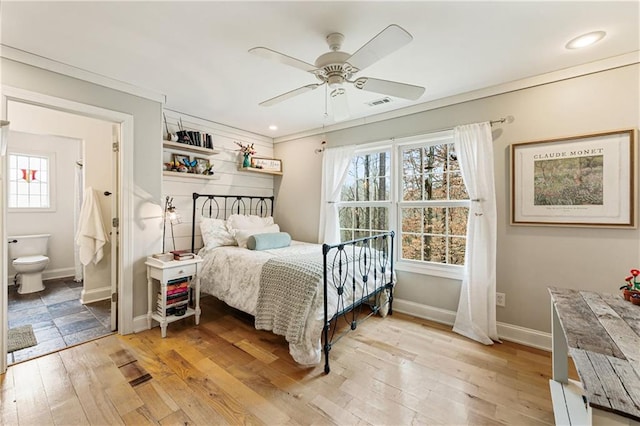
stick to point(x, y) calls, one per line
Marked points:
point(501, 299)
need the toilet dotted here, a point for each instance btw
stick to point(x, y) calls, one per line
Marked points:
point(28, 255)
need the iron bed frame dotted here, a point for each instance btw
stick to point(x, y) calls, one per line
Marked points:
point(369, 258)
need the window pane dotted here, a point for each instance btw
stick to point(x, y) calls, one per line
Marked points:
point(362, 219)
point(361, 234)
point(435, 158)
point(412, 188)
point(346, 235)
point(412, 220)
point(346, 217)
point(28, 181)
point(435, 221)
point(435, 186)
point(411, 247)
point(456, 250)
point(435, 249)
point(412, 162)
point(379, 219)
point(457, 188)
point(458, 217)
point(454, 164)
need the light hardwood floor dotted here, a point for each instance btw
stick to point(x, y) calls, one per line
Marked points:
point(394, 371)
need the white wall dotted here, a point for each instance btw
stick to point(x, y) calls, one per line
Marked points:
point(229, 180)
point(58, 222)
point(529, 258)
point(146, 184)
point(96, 155)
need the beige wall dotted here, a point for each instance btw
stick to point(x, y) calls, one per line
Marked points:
point(147, 153)
point(529, 258)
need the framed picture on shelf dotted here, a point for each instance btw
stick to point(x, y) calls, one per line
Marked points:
point(202, 165)
point(583, 180)
point(270, 164)
point(181, 159)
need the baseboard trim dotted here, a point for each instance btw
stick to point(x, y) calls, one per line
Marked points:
point(94, 295)
point(140, 323)
point(512, 333)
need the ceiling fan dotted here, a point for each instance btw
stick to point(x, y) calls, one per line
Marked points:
point(335, 68)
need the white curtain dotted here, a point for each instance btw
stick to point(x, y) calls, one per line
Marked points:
point(476, 316)
point(335, 164)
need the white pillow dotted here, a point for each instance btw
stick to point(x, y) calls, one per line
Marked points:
point(242, 235)
point(240, 221)
point(215, 233)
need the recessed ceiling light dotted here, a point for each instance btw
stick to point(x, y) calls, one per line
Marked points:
point(586, 40)
point(273, 127)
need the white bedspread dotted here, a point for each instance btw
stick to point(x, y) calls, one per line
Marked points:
point(232, 274)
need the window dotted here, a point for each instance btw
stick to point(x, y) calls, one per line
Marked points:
point(365, 196)
point(417, 190)
point(433, 204)
point(29, 182)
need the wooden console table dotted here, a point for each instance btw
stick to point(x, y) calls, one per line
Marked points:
point(601, 332)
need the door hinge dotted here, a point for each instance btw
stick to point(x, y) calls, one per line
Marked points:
point(116, 146)
point(115, 222)
point(114, 297)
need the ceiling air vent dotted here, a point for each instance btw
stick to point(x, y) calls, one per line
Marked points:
point(380, 101)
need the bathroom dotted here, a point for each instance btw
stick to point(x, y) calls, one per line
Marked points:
point(58, 160)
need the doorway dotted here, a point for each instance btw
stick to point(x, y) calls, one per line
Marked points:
point(121, 149)
point(48, 177)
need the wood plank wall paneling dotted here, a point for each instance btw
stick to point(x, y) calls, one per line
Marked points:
point(231, 180)
point(393, 370)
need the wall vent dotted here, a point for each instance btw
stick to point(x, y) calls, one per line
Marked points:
point(380, 101)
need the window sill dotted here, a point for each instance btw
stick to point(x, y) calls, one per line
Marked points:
point(444, 271)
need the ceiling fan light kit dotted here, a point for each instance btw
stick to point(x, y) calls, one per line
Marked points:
point(335, 68)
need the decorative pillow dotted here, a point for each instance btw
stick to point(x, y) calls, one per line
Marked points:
point(268, 241)
point(242, 235)
point(240, 221)
point(215, 233)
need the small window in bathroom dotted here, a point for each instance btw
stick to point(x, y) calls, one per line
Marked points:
point(29, 181)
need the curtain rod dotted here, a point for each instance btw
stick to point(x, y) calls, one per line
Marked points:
point(508, 119)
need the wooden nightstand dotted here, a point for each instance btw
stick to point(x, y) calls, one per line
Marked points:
point(173, 275)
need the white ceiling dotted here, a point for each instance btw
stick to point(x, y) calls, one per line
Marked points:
point(196, 52)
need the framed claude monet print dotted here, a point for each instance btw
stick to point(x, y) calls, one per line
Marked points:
point(576, 181)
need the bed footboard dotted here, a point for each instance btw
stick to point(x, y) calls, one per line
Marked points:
point(361, 273)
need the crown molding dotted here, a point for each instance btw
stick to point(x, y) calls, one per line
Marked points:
point(38, 61)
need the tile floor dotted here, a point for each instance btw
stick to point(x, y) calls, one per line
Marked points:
point(57, 316)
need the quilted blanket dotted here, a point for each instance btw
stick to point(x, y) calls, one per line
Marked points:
point(288, 289)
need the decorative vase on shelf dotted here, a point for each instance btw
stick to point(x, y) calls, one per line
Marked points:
point(246, 162)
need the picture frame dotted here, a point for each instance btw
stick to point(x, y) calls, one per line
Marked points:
point(202, 164)
point(177, 158)
point(268, 164)
point(586, 180)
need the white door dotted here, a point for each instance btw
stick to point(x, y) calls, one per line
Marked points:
point(115, 234)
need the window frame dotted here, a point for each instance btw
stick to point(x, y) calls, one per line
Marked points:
point(370, 149)
point(395, 204)
point(51, 157)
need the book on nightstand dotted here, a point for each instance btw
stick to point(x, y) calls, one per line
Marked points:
point(182, 255)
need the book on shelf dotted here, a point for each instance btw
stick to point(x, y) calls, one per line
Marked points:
point(182, 255)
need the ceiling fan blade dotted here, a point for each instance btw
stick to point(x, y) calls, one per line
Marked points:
point(282, 58)
point(387, 41)
point(339, 104)
point(391, 88)
point(291, 94)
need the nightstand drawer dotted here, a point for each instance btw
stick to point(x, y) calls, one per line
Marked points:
point(178, 271)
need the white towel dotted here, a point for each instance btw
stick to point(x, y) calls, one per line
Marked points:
point(91, 236)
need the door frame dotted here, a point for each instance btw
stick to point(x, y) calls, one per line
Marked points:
point(125, 193)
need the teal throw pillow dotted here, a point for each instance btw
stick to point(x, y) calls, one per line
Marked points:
point(268, 241)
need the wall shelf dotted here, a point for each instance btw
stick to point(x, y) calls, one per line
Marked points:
point(254, 170)
point(168, 173)
point(175, 146)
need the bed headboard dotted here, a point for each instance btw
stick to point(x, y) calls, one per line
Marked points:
point(222, 206)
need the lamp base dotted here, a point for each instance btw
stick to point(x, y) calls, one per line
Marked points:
point(164, 257)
